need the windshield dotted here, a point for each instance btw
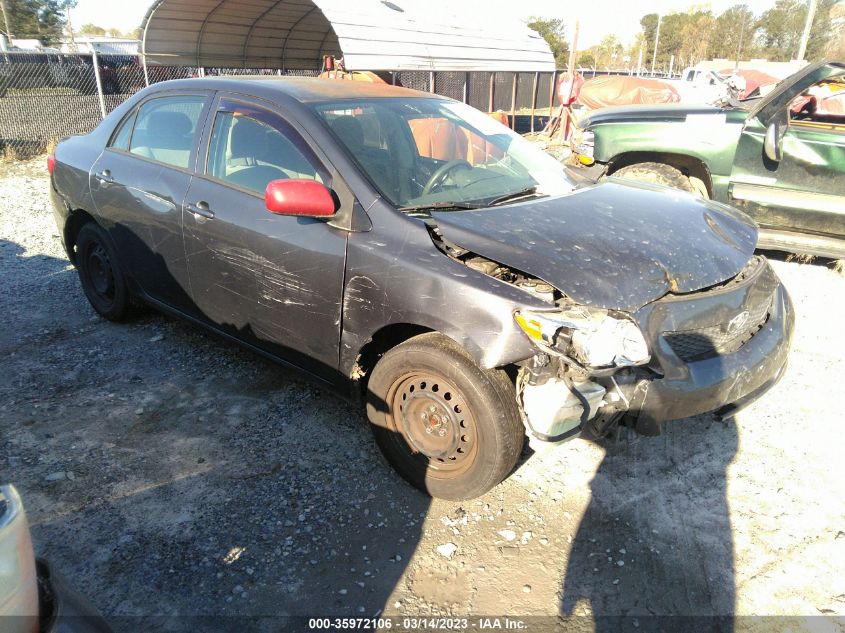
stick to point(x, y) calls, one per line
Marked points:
point(435, 153)
point(786, 88)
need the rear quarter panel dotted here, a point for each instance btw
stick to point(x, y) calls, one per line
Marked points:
point(69, 186)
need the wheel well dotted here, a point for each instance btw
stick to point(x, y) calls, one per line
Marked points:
point(381, 342)
point(687, 165)
point(76, 220)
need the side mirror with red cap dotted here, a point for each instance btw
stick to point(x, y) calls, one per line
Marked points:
point(304, 198)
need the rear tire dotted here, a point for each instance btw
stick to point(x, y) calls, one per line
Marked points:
point(101, 275)
point(447, 426)
point(656, 173)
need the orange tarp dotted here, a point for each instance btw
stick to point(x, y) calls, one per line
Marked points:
point(601, 92)
point(443, 140)
point(352, 76)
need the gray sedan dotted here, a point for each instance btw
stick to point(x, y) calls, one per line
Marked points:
point(415, 255)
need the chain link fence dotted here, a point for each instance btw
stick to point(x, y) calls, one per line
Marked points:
point(45, 97)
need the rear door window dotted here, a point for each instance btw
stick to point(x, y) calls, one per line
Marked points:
point(165, 129)
point(124, 133)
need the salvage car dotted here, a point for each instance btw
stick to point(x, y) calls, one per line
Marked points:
point(778, 158)
point(33, 597)
point(411, 252)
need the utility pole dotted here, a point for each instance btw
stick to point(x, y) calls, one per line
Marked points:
point(6, 19)
point(811, 13)
point(739, 43)
point(73, 48)
point(656, 40)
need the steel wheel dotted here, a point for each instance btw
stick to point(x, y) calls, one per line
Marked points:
point(449, 427)
point(432, 416)
point(100, 271)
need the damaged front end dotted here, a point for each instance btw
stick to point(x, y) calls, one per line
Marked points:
point(713, 350)
point(644, 324)
point(592, 364)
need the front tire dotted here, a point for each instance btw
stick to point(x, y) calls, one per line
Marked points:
point(656, 173)
point(100, 274)
point(447, 426)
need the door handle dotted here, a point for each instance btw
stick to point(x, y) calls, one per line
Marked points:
point(105, 176)
point(200, 209)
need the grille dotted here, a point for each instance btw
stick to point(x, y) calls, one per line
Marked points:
point(717, 340)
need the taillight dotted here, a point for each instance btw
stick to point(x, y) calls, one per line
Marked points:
point(51, 163)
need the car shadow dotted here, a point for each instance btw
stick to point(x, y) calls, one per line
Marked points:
point(211, 490)
point(655, 540)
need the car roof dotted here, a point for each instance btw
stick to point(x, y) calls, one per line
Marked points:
point(303, 89)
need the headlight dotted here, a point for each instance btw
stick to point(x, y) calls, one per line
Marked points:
point(583, 144)
point(591, 336)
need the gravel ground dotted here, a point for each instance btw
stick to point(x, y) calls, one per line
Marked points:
point(167, 473)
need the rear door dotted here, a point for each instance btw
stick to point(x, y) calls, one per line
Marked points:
point(139, 185)
point(805, 190)
point(274, 281)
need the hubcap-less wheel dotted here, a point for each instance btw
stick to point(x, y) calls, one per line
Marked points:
point(432, 416)
point(449, 427)
point(100, 272)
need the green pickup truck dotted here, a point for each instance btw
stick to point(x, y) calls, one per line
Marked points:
point(780, 158)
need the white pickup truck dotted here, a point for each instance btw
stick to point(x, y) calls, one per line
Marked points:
point(698, 85)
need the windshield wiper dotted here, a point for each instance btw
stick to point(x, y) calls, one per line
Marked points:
point(516, 195)
point(441, 206)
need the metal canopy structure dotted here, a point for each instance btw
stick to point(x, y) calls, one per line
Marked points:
point(367, 34)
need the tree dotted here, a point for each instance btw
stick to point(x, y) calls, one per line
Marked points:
point(649, 24)
point(586, 59)
point(695, 39)
point(91, 29)
point(836, 46)
point(609, 53)
point(734, 33)
point(780, 30)
point(43, 20)
point(684, 36)
point(553, 31)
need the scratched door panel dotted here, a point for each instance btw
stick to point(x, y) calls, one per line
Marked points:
point(141, 207)
point(274, 281)
point(804, 190)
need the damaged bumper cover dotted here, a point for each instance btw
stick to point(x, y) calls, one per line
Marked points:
point(724, 383)
point(712, 351)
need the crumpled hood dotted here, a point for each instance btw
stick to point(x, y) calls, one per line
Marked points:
point(613, 245)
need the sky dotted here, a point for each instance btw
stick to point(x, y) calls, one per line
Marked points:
point(597, 18)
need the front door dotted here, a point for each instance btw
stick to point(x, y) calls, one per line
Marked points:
point(273, 281)
point(139, 185)
point(805, 190)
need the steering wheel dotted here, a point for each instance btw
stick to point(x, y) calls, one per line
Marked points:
point(439, 175)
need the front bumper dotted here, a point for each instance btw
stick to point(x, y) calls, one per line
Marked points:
point(725, 383)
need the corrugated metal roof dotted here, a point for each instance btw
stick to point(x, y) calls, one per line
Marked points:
point(368, 34)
